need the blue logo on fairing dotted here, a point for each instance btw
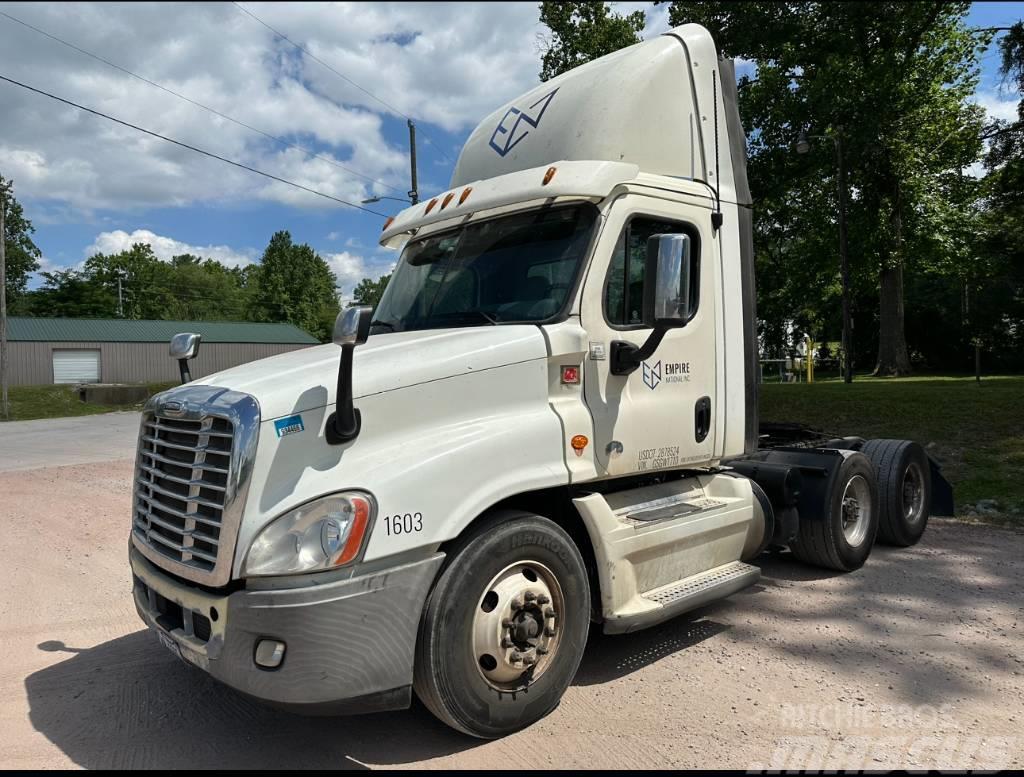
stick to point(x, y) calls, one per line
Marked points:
point(652, 374)
point(509, 127)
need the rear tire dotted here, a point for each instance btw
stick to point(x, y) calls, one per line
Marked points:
point(842, 538)
point(504, 628)
point(904, 489)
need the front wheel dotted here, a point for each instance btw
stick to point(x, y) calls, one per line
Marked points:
point(504, 628)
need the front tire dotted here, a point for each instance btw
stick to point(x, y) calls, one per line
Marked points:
point(504, 628)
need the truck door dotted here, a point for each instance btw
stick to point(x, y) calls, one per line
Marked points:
point(661, 415)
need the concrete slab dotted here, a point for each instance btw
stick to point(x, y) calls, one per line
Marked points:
point(56, 442)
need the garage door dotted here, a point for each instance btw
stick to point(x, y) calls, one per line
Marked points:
point(76, 366)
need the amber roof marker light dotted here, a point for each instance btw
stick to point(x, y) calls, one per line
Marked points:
point(465, 194)
point(549, 175)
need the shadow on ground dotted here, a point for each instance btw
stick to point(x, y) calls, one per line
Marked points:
point(128, 703)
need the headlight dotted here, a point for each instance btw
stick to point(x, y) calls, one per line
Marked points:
point(322, 534)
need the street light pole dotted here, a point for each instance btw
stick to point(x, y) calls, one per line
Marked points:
point(844, 265)
point(802, 147)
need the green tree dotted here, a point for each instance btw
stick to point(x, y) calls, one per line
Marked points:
point(22, 255)
point(582, 31)
point(294, 284)
point(892, 81)
point(369, 291)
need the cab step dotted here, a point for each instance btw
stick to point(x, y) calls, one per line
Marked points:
point(687, 594)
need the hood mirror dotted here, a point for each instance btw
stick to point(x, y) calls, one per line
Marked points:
point(351, 328)
point(185, 346)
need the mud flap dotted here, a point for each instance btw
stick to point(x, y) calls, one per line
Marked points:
point(942, 491)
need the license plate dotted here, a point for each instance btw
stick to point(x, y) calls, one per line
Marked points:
point(170, 644)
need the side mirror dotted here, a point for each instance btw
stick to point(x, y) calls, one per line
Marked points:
point(351, 328)
point(185, 346)
point(666, 302)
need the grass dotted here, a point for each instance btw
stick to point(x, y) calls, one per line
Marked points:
point(31, 402)
point(975, 431)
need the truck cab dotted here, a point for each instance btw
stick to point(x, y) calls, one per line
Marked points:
point(547, 425)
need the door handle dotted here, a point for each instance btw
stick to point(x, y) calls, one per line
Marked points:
point(702, 419)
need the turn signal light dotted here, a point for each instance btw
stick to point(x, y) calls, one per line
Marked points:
point(354, 542)
point(578, 443)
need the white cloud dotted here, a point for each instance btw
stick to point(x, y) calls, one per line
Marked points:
point(998, 106)
point(448, 64)
point(351, 268)
point(166, 247)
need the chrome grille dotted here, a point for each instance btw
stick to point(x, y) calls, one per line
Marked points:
point(197, 446)
point(181, 485)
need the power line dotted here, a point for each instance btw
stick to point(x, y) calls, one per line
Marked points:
point(196, 103)
point(189, 147)
point(342, 76)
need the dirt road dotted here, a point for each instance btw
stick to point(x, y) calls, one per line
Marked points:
point(915, 661)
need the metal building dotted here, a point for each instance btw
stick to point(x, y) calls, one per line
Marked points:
point(90, 350)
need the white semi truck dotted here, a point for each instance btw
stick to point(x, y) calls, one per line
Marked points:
point(548, 424)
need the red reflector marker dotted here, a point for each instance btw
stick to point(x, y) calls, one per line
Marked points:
point(570, 374)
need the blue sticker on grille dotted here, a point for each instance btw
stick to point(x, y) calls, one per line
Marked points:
point(290, 425)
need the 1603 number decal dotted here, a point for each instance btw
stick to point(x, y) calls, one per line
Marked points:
point(403, 523)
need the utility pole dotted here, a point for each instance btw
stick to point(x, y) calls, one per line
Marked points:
point(3, 306)
point(414, 193)
point(120, 299)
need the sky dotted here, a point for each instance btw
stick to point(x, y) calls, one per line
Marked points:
point(89, 185)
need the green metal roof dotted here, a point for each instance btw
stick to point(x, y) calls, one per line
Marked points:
point(70, 330)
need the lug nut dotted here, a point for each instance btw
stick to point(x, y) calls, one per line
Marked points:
point(530, 660)
point(517, 603)
point(542, 599)
point(506, 622)
point(530, 596)
point(506, 642)
point(516, 657)
point(549, 632)
point(549, 613)
point(542, 651)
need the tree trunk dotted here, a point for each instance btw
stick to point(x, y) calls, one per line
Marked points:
point(893, 358)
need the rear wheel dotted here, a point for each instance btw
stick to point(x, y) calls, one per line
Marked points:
point(904, 489)
point(842, 538)
point(504, 628)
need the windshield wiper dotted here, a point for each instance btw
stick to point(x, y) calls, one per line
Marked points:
point(388, 324)
point(489, 318)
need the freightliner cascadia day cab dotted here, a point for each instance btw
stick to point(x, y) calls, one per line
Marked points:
point(547, 425)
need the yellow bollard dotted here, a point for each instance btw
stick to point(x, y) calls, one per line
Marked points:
point(810, 361)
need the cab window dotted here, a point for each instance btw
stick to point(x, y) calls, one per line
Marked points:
point(624, 290)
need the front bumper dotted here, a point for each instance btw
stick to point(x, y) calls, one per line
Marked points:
point(349, 644)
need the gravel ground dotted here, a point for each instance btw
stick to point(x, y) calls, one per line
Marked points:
point(915, 661)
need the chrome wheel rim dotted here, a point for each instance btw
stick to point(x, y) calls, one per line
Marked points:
point(856, 509)
point(517, 625)
point(913, 493)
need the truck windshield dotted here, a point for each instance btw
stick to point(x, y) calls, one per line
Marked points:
point(513, 269)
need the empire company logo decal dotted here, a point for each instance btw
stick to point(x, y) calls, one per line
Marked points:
point(669, 372)
point(509, 131)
